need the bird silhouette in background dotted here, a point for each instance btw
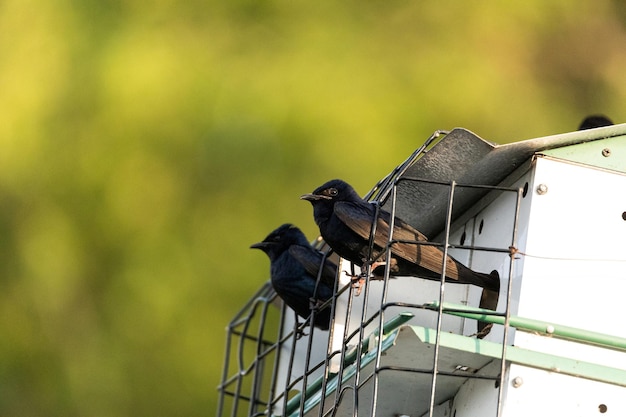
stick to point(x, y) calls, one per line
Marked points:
point(345, 221)
point(294, 268)
point(593, 121)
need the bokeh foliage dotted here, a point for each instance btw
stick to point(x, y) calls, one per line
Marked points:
point(145, 145)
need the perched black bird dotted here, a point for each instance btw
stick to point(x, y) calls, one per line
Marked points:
point(593, 121)
point(345, 221)
point(294, 267)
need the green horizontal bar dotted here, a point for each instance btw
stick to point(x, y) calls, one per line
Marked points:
point(389, 326)
point(517, 355)
point(349, 372)
point(349, 358)
point(514, 354)
point(542, 327)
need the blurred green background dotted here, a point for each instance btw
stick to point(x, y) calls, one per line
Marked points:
point(145, 145)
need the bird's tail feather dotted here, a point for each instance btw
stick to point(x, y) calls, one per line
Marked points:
point(488, 300)
point(488, 281)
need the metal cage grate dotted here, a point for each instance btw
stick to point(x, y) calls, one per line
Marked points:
point(405, 346)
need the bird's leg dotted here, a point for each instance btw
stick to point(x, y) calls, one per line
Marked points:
point(299, 329)
point(358, 280)
point(374, 266)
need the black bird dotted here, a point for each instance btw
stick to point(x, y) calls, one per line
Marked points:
point(294, 267)
point(593, 121)
point(345, 221)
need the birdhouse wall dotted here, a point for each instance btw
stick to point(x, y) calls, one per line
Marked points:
point(572, 256)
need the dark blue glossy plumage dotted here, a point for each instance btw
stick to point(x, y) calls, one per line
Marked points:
point(593, 121)
point(345, 222)
point(294, 266)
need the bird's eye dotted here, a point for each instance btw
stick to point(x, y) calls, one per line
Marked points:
point(332, 191)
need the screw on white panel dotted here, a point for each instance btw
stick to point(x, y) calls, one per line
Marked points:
point(606, 152)
point(542, 189)
point(517, 382)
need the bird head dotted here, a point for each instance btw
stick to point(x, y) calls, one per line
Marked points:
point(280, 239)
point(331, 192)
point(595, 120)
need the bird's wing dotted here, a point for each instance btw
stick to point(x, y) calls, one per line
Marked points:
point(358, 217)
point(311, 260)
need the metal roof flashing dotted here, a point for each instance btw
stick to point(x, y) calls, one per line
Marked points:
point(463, 157)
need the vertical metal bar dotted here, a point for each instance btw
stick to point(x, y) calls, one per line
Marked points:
point(331, 336)
point(339, 391)
point(307, 363)
point(509, 292)
point(312, 327)
point(359, 347)
point(381, 315)
point(431, 406)
point(220, 400)
point(365, 293)
point(258, 364)
point(291, 358)
point(277, 346)
point(240, 362)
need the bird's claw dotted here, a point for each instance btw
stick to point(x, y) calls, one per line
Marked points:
point(373, 266)
point(357, 281)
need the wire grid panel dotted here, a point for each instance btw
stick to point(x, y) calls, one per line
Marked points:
point(269, 356)
point(248, 387)
point(268, 363)
point(394, 349)
point(385, 386)
point(251, 355)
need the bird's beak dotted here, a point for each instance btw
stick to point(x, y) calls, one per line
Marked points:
point(261, 245)
point(314, 197)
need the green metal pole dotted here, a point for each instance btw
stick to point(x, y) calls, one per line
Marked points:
point(542, 327)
